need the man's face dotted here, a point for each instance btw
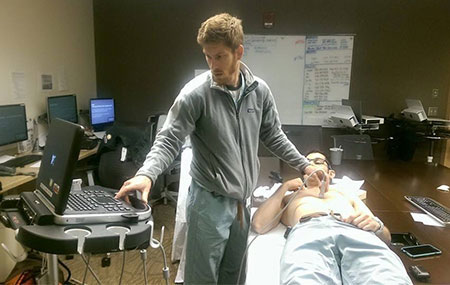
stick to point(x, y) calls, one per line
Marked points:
point(223, 62)
point(319, 161)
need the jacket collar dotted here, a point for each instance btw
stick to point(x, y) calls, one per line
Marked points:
point(248, 77)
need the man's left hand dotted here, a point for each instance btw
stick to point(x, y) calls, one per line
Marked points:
point(363, 221)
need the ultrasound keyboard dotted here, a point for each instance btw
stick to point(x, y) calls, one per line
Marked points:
point(91, 200)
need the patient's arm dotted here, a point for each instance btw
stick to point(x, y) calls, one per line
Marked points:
point(363, 219)
point(267, 212)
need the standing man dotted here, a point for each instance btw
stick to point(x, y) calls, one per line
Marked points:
point(225, 111)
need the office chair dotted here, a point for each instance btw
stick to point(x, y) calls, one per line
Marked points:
point(171, 175)
point(111, 166)
point(355, 146)
point(113, 169)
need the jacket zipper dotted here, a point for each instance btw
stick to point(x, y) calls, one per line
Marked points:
point(237, 110)
point(244, 94)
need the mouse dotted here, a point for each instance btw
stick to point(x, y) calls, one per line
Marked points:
point(443, 187)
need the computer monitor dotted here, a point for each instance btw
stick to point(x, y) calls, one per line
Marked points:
point(306, 138)
point(63, 107)
point(13, 124)
point(356, 107)
point(102, 113)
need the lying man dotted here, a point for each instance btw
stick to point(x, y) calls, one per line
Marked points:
point(335, 239)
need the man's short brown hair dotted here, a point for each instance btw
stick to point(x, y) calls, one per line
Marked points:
point(221, 28)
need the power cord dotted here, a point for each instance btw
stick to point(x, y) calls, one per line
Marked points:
point(69, 274)
point(90, 269)
point(123, 268)
point(322, 190)
point(86, 269)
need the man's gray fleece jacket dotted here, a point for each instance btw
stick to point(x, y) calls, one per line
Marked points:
point(224, 135)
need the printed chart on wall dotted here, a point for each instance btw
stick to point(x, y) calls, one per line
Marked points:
point(307, 74)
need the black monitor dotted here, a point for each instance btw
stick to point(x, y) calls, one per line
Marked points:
point(102, 113)
point(13, 124)
point(63, 107)
point(356, 106)
point(305, 138)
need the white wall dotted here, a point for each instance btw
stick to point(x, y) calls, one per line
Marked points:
point(47, 36)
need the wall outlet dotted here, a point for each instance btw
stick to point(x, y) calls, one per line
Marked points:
point(432, 111)
point(434, 93)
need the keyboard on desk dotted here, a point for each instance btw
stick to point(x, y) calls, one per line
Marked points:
point(432, 208)
point(21, 161)
point(88, 143)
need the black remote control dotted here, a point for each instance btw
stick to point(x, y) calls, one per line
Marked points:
point(419, 272)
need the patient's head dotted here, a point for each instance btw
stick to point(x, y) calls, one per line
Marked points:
point(320, 161)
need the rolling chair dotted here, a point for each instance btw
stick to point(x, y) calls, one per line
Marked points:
point(172, 174)
point(112, 168)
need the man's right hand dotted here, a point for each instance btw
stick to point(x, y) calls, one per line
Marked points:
point(294, 184)
point(140, 183)
point(317, 177)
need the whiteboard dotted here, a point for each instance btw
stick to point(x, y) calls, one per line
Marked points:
point(306, 74)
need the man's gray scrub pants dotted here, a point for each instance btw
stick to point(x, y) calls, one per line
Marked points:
point(216, 240)
point(324, 250)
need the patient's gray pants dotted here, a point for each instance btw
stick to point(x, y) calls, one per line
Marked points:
point(216, 241)
point(324, 250)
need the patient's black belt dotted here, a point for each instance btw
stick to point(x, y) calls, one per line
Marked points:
point(304, 219)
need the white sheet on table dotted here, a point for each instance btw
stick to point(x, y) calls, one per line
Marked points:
point(265, 191)
point(179, 234)
point(185, 182)
point(263, 261)
point(345, 184)
point(180, 230)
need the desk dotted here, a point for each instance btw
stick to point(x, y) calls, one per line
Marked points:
point(11, 182)
point(387, 182)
